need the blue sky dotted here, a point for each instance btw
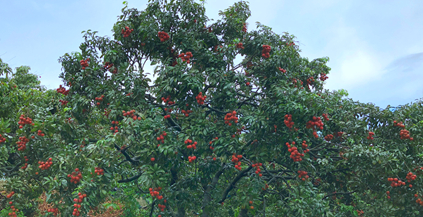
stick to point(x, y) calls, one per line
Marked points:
point(375, 47)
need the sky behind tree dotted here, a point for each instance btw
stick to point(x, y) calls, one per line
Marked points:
point(375, 47)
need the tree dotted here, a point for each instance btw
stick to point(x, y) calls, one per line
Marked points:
point(5, 69)
point(208, 137)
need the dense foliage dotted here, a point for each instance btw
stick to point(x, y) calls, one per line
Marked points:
point(208, 137)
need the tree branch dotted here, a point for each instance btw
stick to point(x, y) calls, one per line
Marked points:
point(232, 185)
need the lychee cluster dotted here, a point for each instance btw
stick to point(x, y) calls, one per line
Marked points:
point(244, 27)
point(328, 137)
point(84, 63)
point(200, 98)
point(26, 164)
point(62, 90)
point(161, 138)
point(240, 45)
point(163, 36)
point(395, 182)
point(258, 170)
point(22, 143)
point(39, 132)
point(45, 165)
point(55, 211)
point(231, 116)
point(126, 32)
point(315, 122)
point(304, 145)
point(302, 175)
point(155, 192)
point(193, 146)
point(2, 139)
point(22, 121)
point(323, 77)
point(288, 121)
point(371, 134)
point(187, 112)
point(265, 51)
point(410, 177)
point(115, 128)
point(282, 70)
point(295, 155)
point(107, 65)
point(325, 116)
point(236, 160)
point(191, 158)
point(99, 171)
point(75, 176)
point(167, 100)
point(64, 102)
point(185, 57)
point(77, 200)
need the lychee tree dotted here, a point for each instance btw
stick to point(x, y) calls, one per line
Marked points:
point(208, 136)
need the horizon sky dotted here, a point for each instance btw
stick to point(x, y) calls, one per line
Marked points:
point(375, 47)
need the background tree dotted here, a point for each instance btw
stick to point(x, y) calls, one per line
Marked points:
point(208, 137)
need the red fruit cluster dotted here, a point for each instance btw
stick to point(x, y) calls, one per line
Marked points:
point(258, 170)
point(282, 70)
point(215, 47)
point(388, 196)
point(75, 176)
point(12, 214)
point(310, 80)
point(45, 165)
point(22, 121)
point(265, 187)
point(155, 192)
point(126, 32)
point(360, 212)
point(166, 116)
point(161, 137)
point(291, 43)
point(107, 65)
point(315, 122)
point(244, 27)
point(185, 57)
point(77, 200)
point(371, 134)
point(40, 133)
point(99, 171)
point(167, 100)
point(163, 36)
point(187, 112)
point(295, 155)
point(288, 121)
point(265, 51)
point(84, 63)
point(325, 116)
point(200, 98)
point(2, 139)
point(64, 102)
point(191, 159)
point(302, 175)
point(236, 160)
point(328, 137)
point(99, 99)
point(130, 113)
point(211, 147)
point(194, 145)
point(231, 116)
point(405, 134)
point(26, 164)
point(116, 127)
point(161, 207)
point(323, 77)
point(295, 81)
point(240, 45)
point(304, 145)
point(410, 177)
point(22, 143)
point(55, 211)
point(10, 195)
point(62, 90)
point(419, 201)
point(395, 182)
point(339, 134)
point(400, 124)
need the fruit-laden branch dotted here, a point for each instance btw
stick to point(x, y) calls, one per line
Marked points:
point(210, 187)
point(232, 184)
